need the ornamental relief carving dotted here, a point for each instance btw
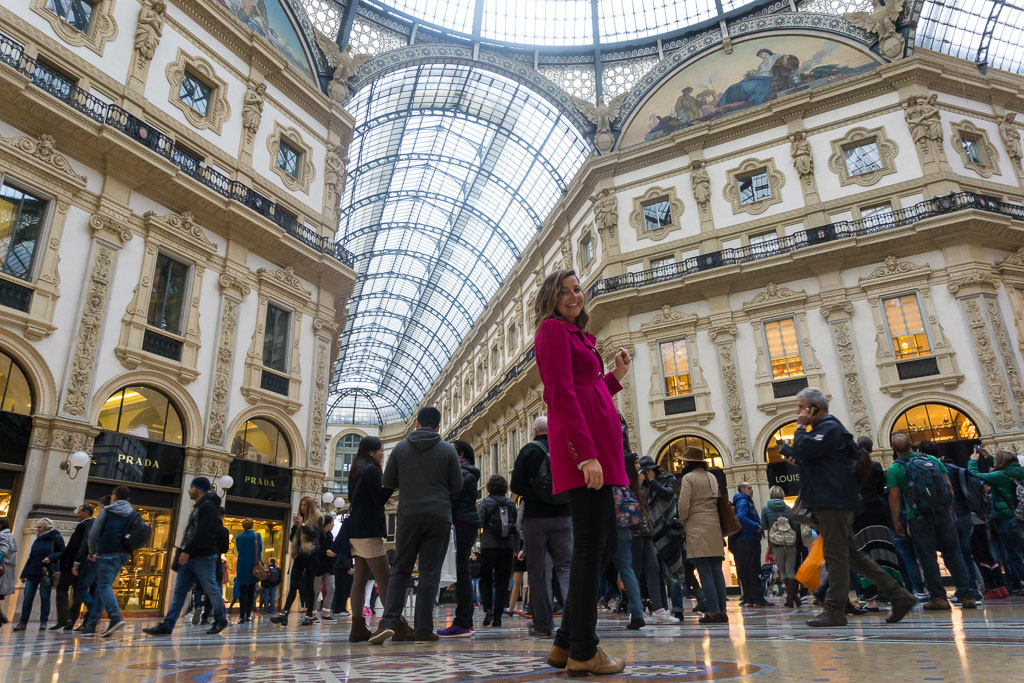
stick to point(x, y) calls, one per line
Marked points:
point(1009, 360)
point(150, 29)
point(252, 110)
point(893, 268)
point(991, 369)
point(319, 401)
point(1010, 135)
point(83, 360)
point(102, 27)
point(44, 150)
point(734, 403)
point(222, 371)
point(924, 122)
point(606, 213)
point(285, 279)
point(852, 379)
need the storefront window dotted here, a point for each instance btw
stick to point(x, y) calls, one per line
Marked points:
point(273, 534)
point(143, 412)
point(346, 449)
point(935, 422)
point(779, 438)
point(5, 503)
point(671, 457)
point(15, 392)
point(262, 441)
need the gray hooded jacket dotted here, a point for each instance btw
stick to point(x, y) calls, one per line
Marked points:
point(425, 470)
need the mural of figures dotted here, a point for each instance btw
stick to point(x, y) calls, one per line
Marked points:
point(757, 71)
point(270, 20)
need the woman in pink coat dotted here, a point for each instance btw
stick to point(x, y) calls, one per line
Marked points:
point(585, 438)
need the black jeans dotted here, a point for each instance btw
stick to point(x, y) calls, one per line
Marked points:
point(464, 540)
point(246, 599)
point(342, 587)
point(495, 573)
point(301, 579)
point(748, 568)
point(427, 539)
point(593, 546)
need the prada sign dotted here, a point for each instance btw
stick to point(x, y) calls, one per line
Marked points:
point(137, 461)
point(259, 481)
point(785, 475)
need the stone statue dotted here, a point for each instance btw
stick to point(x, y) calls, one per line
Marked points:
point(334, 173)
point(1011, 137)
point(150, 28)
point(700, 182)
point(606, 213)
point(601, 116)
point(923, 118)
point(882, 22)
point(252, 109)
point(800, 149)
point(346, 65)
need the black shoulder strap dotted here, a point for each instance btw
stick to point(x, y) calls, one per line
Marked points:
point(543, 446)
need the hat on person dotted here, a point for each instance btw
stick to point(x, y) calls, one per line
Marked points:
point(693, 454)
point(202, 483)
point(647, 463)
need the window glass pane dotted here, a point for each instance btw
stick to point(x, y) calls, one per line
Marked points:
point(110, 413)
point(862, 158)
point(167, 299)
point(195, 93)
point(935, 422)
point(906, 326)
point(783, 348)
point(874, 216)
point(754, 188)
point(143, 412)
point(78, 13)
point(261, 440)
point(657, 215)
point(779, 438)
point(675, 364)
point(275, 339)
point(14, 387)
point(971, 150)
point(344, 452)
point(663, 262)
point(671, 457)
point(288, 159)
point(21, 224)
point(588, 250)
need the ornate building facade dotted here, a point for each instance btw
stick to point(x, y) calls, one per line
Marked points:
point(171, 291)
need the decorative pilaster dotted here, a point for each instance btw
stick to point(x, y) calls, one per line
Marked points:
point(233, 291)
point(724, 337)
point(837, 313)
point(993, 373)
point(318, 394)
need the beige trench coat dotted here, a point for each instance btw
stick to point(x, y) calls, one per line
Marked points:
point(698, 511)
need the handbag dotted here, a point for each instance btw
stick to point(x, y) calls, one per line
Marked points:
point(809, 573)
point(627, 509)
point(801, 515)
point(727, 516)
point(645, 527)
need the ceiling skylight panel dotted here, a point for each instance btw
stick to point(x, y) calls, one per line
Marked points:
point(621, 21)
point(953, 26)
point(456, 15)
point(1006, 50)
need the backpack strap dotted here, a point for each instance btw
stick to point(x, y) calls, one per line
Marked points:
point(541, 445)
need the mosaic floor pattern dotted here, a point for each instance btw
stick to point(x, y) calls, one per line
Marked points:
point(760, 645)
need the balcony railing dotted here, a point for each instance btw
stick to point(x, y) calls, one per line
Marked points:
point(937, 206)
point(55, 84)
point(495, 391)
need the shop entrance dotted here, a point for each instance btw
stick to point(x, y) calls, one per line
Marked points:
point(953, 433)
point(269, 521)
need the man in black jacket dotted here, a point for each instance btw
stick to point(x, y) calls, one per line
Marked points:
point(547, 528)
point(465, 520)
point(67, 615)
point(197, 561)
point(825, 452)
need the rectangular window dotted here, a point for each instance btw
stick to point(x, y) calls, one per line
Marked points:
point(663, 262)
point(906, 326)
point(971, 149)
point(765, 243)
point(657, 215)
point(167, 300)
point(862, 158)
point(875, 216)
point(675, 366)
point(275, 339)
point(754, 187)
point(22, 218)
point(588, 250)
point(77, 13)
point(195, 93)
point(288, 159)
point(783, 348)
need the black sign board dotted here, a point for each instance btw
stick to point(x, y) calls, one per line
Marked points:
point(130, 459)
point(15, 430)
point(785, 475)
point(258, 481)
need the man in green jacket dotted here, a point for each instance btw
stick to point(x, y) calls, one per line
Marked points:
point(1002, 483)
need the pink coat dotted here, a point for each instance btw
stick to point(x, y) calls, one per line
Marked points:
point(582, 420)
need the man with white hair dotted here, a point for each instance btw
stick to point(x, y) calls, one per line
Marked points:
point(547, 526)
point(826, 452)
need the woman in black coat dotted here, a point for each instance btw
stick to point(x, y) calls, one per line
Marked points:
point(38, 572)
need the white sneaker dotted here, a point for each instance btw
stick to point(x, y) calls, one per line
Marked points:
point(663, 616)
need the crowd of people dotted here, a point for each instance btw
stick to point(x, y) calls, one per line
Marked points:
point(591, 526)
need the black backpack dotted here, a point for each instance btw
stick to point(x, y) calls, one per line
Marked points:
point(972, 490)
point(928, 491)
point(135, 534)
point(542, 485)
point(501, 522)
point(273, 577)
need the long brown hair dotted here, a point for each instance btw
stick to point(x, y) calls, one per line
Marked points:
point(547, 299)
point(312, 516)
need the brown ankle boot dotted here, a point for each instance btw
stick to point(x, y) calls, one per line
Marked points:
point(790, 592)
point(359, 633)
point(599, 664)
point(404, 632)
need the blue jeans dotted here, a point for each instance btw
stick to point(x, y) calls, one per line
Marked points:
point(201, 571)
point(107, 569)
point(964, 531)
point(905, 548)
point(931, 534)
point(712, 582)
point(1010, 547)
point(624, 565)
point(85, 588)
point(269, 597)
point(42, 586)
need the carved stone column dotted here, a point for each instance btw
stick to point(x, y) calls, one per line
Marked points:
point(233, 289)
point(724, 337)
point(324, 330)
point(837, 313)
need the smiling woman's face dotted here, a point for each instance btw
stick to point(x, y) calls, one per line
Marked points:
point(570, 298)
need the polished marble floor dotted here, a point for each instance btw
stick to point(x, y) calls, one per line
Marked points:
point(757, 645)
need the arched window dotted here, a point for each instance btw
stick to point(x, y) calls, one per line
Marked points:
point(935, 422)
point(670, 458)
point(783, 436)
point(343, 454)
point(15, 391)
point(263, 441)
point(143, 412)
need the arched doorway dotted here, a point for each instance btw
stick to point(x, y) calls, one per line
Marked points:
point(670, 458)
point(262, 441)
point(782, 436)
point(780, 472)
point(16, 403)
point(952, 431)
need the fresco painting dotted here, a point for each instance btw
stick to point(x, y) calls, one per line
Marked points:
point(270, 20)
point(756, 72)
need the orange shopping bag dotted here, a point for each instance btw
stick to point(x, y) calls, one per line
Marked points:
point(809, 573)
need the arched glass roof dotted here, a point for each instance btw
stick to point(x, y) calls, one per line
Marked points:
point(452, 169)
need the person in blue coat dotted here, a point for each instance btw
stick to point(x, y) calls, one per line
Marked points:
point(249, 546)
point(747, 547)
point(38, 572)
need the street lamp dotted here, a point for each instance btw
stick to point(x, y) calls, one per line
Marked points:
point(222, 484)
point(74, 463)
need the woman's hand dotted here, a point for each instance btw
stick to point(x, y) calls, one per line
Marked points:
point(330, 553)
point(593, 474)
point(622, 361)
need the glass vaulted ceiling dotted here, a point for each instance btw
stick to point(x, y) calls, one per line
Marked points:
point(452, 169)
